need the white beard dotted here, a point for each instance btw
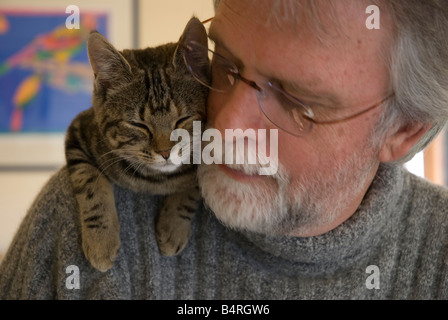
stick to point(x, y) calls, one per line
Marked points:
point(275, 205)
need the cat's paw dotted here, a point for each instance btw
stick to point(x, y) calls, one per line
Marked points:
point(172, 234)
point(101, 248)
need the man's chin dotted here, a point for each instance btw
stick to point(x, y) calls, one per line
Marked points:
point(240, 200)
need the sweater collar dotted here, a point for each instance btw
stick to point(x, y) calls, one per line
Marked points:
point(344, 245)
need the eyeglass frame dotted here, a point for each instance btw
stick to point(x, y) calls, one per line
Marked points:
point(308, 114)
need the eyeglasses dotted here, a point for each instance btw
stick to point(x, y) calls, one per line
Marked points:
point(281, 108)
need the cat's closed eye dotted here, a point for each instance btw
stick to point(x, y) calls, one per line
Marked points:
point(181, 122)
point(143, 127)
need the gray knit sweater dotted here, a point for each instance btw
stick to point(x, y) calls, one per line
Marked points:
point(394, 247)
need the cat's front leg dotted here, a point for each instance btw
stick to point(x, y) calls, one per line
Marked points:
point(173, 225)
point(99, 220)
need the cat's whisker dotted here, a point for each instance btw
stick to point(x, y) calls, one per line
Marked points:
point(131, 165)
point(114, 161)
point(102, 170)
point(107, 163)
point(114, 151)
point(136, 169)
point(118, 154)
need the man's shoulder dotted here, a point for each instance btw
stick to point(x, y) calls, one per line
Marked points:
point(427, 209)
point(54, 200)
point(56, 187)
point(425, 219)
point(424, 238)
point(428, 197)
point(46, 235)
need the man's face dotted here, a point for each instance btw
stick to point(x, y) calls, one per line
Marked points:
point(324, 174)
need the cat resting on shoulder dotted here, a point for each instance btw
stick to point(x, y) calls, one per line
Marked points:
point(139, 98)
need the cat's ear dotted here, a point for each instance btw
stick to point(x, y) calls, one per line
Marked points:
point(194, 31)
point(109, 66)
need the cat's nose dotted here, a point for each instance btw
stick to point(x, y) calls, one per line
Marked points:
point(165, 154)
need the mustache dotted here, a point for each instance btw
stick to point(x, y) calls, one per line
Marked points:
point(280, 175)
point(243, 153)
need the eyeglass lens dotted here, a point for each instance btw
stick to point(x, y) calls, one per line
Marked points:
point(281, 110)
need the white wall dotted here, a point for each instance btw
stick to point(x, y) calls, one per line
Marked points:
point(17, 191)
point(163, 21)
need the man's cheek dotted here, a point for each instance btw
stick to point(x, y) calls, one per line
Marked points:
point(213, 103)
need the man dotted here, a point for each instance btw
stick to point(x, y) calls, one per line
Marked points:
point(344, 105)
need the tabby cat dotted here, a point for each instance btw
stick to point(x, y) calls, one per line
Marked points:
point(139, 98)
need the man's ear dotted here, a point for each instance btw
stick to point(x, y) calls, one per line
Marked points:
point(400, 141)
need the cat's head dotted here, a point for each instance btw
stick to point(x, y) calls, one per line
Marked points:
point(141, 96)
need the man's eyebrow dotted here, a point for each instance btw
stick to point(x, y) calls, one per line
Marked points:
point(300, 92)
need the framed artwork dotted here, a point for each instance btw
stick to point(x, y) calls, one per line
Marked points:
point(45, 76)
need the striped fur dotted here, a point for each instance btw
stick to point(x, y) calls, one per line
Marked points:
point(139, 98)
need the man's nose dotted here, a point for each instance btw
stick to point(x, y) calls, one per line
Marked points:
point(236, 109)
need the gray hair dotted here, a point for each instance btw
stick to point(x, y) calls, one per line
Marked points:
point(419, 66)
point(418, 62)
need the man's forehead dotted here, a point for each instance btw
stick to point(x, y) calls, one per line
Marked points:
point(326, 19)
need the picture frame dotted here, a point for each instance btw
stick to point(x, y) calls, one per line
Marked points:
point(35, 140)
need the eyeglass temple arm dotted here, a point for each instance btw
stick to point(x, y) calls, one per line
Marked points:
point(352, 116)
point(208, 20)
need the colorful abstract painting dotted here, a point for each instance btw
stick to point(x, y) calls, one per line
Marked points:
point(45, 76)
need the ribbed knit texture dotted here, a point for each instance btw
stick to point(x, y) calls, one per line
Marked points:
point(401, 227)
